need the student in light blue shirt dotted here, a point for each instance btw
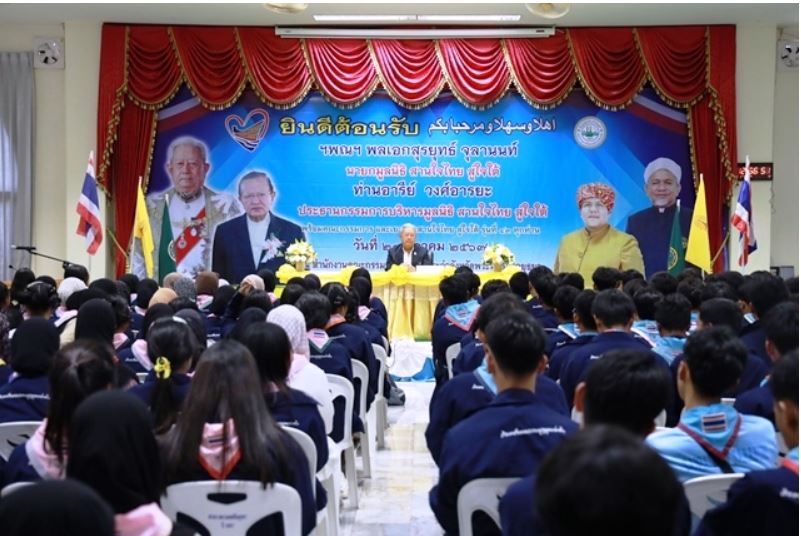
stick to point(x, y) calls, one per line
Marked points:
point(766, 502)
point(673, 321)
point(713, 438)
point(644, 325)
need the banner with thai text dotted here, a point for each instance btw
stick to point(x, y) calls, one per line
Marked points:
point(464, 178)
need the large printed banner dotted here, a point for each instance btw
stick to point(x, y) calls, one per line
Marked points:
point(465, 178)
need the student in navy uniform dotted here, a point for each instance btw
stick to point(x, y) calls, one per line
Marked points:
point(645, 302)
point(719, 312)
point(604, 481)
point(510, 436)
point(79, 369)
point(586, 332)
point(453, 325)
point(364, 289)
point(225, 419)
point(171, 346)
point(144, 291)
point(351, 337)
point(711, 437)
point(123, 336)
point(270, 347)
point(673, 321)
point(545, 287)
point(535, 273)
point(375, 302)
point(764, 290)
point(563, 300)
point(626, 388)
point(613, 312)
point(136, 356)
point(248, 317)
point(39, 300)
point(781, 337)
point(328, 354)
point(466, 393)
point(518, 284)
point(216, 311)
point(26, 396)
point(471, 281)
point(471, 353)
point(766, 502)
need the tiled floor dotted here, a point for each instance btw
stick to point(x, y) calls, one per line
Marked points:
point(394, 501)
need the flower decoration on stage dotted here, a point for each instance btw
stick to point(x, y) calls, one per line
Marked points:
point(498, 256)
point(300, 251)
point(270, 249)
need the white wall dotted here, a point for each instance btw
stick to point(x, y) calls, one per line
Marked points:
point(67, 106)
point(48, 165)
point(784, 231)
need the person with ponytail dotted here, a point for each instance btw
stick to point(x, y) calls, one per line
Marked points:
point(171, 345)
point(79, 369)
point(350, 336)
point(136, 356)
point(226, 433)
point(39, 299)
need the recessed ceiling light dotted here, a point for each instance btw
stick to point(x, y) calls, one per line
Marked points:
point(365, 18)
point(468, 18)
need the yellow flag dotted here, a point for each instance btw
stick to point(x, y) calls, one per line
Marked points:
point(142, 229)
point(698, 242)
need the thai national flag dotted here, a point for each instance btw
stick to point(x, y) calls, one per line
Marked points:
point(89, 210)
point(743, 218)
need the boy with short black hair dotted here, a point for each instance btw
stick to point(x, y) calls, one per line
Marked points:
point(781, 337)
point(673, 321)
point(644, 325)
point(604, 278)
point(603, 481)
point(473, 387)
point(626, 388)
point(545, 287)
point(456, 321)
point(766, 502)
point(585, 329)
point(613, 312)
point(563, 300)
point(519, 285)
point(711, 437)
point(763, 291)
point(508, 437)
point(664, 282)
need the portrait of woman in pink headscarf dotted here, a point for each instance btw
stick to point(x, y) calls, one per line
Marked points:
point(597, 243)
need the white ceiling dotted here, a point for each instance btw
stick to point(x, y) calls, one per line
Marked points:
point(783, 15)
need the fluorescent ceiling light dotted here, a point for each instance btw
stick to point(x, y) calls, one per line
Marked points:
point(365, 18)
point(412, 33)
point(468, 18)
point(416, 18)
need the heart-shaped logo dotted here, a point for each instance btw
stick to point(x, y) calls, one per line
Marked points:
point(248, 132)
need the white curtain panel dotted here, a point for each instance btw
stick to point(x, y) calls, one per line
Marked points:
point(16, 158)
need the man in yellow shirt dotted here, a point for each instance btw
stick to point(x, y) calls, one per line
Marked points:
point(597, 243)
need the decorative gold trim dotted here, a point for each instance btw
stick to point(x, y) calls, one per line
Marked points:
point(251, 81)
point(720, 121)
point(206, 104)
point(590, 94)
point(391, 91)
point(151, 149)
point(456, 93)
point(114, 121)
point(528, 98)
point(655, 85)
point(693, 157)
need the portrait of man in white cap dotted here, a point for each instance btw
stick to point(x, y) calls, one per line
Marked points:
point(652, 226)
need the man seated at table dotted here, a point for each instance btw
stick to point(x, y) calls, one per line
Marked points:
point(408, 252)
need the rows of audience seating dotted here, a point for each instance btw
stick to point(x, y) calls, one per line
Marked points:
point(561, 406)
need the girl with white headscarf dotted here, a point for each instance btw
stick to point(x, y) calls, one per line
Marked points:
point(303, 375)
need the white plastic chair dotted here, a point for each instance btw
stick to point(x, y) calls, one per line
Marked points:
point(341, 387)
point(11, 488)
point(310, 450)
point(201, 502)
point(381, 406)
point(782, 444)
point(450, 354)
point(706, 492)
point(366, 439)
point(728, 401)
point(661, 419)
point(481, 494)
point(142, 376)
point(15, 433)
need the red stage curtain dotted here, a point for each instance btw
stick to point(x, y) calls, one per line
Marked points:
point(409, 70)
point(691, 67)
